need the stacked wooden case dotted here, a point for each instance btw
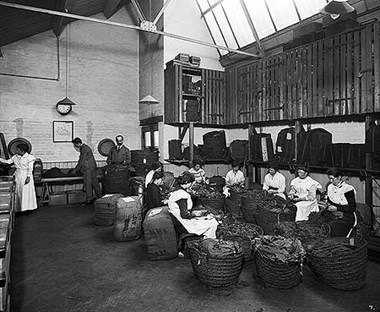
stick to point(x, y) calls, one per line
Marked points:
point(7, 201)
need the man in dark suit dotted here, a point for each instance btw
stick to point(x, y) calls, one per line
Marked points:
point(87, 165)
point(119, 154)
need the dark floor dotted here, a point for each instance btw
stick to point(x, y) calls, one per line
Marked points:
point(61, 261)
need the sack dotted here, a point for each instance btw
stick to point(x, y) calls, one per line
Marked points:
point(285, 146)
point(175, 149)
point(127, 223)
point(261, 146)
point(310, 145)
point(343, 155)
point(372, 144)
point(239, 150)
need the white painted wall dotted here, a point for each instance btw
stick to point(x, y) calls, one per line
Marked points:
point(183, 18)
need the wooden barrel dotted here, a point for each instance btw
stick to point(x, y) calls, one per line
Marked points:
point(159, 234)
point(105, 208)
point(127, 222)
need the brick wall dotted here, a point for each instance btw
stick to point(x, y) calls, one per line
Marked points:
point(103, 82)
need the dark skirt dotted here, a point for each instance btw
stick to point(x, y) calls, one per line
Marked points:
point(341, 227)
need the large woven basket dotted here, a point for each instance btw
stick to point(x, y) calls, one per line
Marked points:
point(216, 271)
point(305, 231)
point(274, 273)
point(249, 203)
point(339, 265)
point(283, 272)
point(213, 203)
point(268, 219)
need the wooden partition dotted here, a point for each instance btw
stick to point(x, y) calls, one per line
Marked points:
point(333, 76)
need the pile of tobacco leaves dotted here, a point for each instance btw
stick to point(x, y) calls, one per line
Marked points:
point(330, 248)
point(217, 247)
point(276, 204)
point(303, 230)
point(279, 248)
point(207, 191)
point(229, 226)
point(237, 189)
point(255, 195)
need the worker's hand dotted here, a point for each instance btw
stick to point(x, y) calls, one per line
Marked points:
point(27, 180)
point(332, 208)
point(165, 202)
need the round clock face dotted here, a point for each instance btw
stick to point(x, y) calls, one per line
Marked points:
point(63, 109)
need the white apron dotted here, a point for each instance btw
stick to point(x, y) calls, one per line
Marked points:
point(200, 225)
point(25, 193)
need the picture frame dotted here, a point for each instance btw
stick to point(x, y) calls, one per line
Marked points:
point(63, 131)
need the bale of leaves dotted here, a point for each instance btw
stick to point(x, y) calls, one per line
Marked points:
point(338, 263)
point(278, 261)
point(210, 197)
point(305, 231)
point(216, 262)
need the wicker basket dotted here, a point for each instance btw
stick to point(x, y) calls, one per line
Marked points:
point(249, 203)
point(337, 264)
point(279, 272)
point(268, 219)
point(305, 231)
point(214, 203)
point(216, 271)
point(274, 273)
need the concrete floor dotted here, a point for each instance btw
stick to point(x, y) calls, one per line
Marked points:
point(61, 261)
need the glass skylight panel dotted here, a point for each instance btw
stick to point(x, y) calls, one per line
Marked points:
point(283, 13)
point(239, 23)
point(260, 17)
point(307, 8)
point(210, 20)
point(225, 27)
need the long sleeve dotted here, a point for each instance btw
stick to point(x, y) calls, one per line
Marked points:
point(81, 159)
point(110, 156)
point(281, 184)
point(6, 161)
point(31, 161)
point(128, 156)
point(265, 184)
point(182, 204)
point(153, 196)
point(351, 206)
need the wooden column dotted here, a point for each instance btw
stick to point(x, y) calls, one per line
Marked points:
point(297, 130)
point(369, 120)
point(191, 142)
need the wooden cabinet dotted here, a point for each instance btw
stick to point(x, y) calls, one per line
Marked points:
point(193, 94)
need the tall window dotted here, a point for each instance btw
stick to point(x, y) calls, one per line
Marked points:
point(150, 137)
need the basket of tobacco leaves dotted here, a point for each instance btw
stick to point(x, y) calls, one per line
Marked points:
point(216, 262)
point(210, 197)
point(272, 210)
point(241, 232)
point(339, 262)
point(305, 231)
point(233, 202)
point(278, 261)
point(249, 201)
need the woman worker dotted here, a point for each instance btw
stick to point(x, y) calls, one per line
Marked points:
point(274, 181)
point(153, 197)
point(180, 206)
point(341, 202)
point(25, 191)
point(198, 172)
point(234, 177)
point(303, 192)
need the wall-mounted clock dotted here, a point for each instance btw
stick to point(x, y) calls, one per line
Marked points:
point(65, 106)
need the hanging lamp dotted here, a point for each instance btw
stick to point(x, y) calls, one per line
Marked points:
point(337, 8)
point(64, 106)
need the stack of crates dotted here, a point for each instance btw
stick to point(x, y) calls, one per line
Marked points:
point(7, 203)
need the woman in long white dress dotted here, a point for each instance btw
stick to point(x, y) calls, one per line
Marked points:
point(180, 206)
point(303, 192)
point(25, 191)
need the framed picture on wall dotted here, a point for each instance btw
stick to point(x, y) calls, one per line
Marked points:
point(63, 131)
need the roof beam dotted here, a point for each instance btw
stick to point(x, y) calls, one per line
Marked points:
point(57, 21)
point(140, 12)
point(253, 29)
point(211, 7)
point(107, 22)
point(111, 7)
point(161, 12)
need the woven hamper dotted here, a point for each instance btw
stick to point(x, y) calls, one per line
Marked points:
point(273, 270)
point(339, 265)
point(159, 234)
point(214, 203)
point(268, 219)
point(249, 203)
point(216, 271)
point(105, 208)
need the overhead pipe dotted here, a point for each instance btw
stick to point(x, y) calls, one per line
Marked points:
point(38, 77)
point(106, 22)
